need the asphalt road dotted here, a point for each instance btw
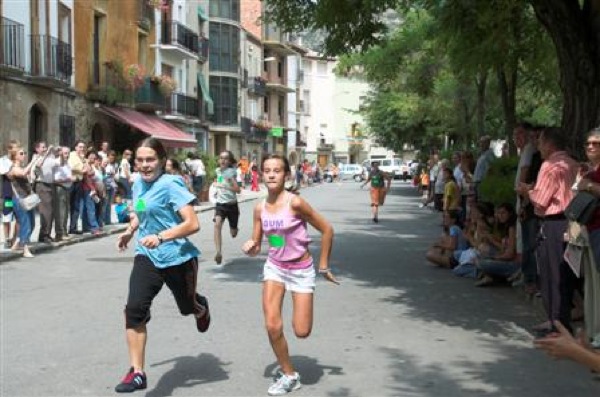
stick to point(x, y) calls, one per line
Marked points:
point(394, 327)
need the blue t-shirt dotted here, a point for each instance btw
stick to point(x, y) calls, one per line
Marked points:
point(461, 241)
point(156, 205)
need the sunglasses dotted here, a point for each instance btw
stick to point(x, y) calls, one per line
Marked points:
point(595, 144)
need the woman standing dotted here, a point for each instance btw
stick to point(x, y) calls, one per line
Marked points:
point(125, 174)
point(591, 259)
point(164, 218)
point(227, 205)
point(282, 218)
point(18, 175)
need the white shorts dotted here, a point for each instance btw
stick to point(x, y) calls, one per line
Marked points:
point(296, 280)
point(8, 218)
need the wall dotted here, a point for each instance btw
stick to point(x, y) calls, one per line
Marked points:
point(250, 12)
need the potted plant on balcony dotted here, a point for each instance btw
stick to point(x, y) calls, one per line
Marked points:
point(166, 84)
point(135, 75)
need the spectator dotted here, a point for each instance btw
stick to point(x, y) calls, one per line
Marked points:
point(90, 195)
point(63, 180)
point(439, 184)
point(19, 177)
point(104, 151)
point(502, 264)
point(562, 345)
point(124, 174)
point(197, 171)
point(591, 260)
point(77, 163)
point(451, 201)
point(173, 167)
point(442, 252)
point(44, 187)
point(550, 196)
point(8, 214)
point(486, 158)
point(110, 185)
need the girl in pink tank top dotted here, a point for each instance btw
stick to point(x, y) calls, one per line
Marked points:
point(282, 218)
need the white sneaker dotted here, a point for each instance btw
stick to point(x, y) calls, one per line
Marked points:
point(285, 384)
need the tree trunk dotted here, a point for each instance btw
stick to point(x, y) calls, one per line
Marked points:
point(481, 83)
point(575, 31)
point(508, 90)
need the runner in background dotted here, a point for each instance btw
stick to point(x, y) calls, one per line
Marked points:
point(226, 201)
point(379, 189)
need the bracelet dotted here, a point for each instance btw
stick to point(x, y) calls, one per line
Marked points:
point(324, 271)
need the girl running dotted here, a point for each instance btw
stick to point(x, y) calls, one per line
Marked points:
point(380, 185)
point(226, 202)
point(164, 218)
point(282, 217)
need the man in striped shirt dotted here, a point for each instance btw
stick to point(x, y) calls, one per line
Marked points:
point(550, 196)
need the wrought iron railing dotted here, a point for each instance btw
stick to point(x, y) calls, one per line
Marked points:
point(12, 38)
point(145, 14)
point(50, 58)
point(257, 86)
point(203, 47)
point(175, 33)
point(181, 104)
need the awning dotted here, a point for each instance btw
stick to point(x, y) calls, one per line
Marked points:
point(154, 126)
point(201, 14)
point(206, 94)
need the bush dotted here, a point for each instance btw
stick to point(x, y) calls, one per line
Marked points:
point(498, 186)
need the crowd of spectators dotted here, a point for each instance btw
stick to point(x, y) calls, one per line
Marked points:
point(77, 190)
point(528, 243)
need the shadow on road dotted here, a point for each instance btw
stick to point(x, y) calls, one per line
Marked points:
point(189, 371)
point(309, 367)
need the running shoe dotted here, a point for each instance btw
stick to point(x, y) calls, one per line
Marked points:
point(203, 322)
point(131, 382)
point(218, 259)
point(285, 384)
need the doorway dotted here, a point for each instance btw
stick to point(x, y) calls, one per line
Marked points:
point(36, 126)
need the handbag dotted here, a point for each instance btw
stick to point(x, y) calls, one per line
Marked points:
point(29, 202)
point(582, 207)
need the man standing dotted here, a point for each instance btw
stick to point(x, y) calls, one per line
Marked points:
point(77, 164)
point(63, 181)
point(550, 196)
point(103, 152)
point(486, 158)
point(44, 187)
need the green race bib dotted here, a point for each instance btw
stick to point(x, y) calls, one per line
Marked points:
point(220, 179)
point(276, 241)
point(8, 203)
point(140, 205)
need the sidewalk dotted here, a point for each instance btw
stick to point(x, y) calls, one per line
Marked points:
point(7, 255)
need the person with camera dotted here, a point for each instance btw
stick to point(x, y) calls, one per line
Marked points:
point(19, 178)
point(43, 185)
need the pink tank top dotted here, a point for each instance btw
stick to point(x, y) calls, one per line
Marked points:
point(286, 234)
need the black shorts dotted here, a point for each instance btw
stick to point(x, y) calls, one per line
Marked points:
point(231, 212)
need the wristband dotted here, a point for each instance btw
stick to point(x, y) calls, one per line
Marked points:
point(324, 271)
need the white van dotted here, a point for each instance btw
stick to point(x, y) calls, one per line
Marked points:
point(395, 167)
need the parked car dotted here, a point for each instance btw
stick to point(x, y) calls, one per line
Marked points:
point(346, 172)
point(395, 167)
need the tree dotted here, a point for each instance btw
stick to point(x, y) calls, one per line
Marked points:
point(573, 25)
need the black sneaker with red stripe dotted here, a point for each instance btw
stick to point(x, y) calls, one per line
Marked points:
point(131, 382)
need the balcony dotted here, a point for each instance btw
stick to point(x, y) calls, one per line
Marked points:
point(252, 132)
point(202, 48)
point(182, 105)
point(325, 146)
point(179, 39)
point(12, 54)
point(148, 97)
point(145, 15)
point(275, 40)
point(257, 86)
point(51, 60)
point(299, 141)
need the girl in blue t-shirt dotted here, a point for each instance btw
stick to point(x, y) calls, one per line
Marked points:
point(442, 252)
point(163, 217)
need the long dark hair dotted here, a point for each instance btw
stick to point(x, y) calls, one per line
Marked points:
point(503, 228)
point(232, 160)
point(158, 147)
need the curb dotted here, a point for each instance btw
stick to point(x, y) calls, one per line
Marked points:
point(37, 248)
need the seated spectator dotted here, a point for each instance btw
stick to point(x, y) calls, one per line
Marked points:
point(442, 252)
point(503, 264)
point(479, 225)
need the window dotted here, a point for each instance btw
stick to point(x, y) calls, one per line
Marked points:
point(167, 70)
point(66, 129)
point(142, 49)
point(266, 103)
point(306, 66)
point(224, 41)
point(280, 108)
point(280, 68)
point(226, 9)
point(224, 91)
point(322, 68)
